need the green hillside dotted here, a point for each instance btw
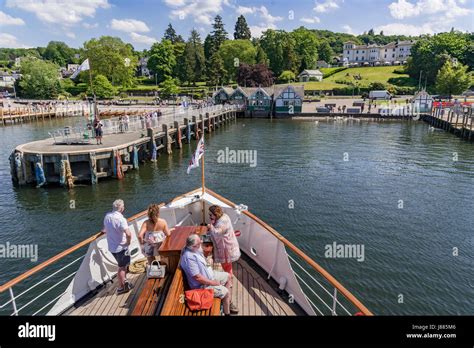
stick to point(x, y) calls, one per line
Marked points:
point(361, 77)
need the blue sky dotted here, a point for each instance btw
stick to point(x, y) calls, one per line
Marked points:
point(31, 23)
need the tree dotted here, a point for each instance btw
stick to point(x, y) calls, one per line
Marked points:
point(336, 40)
point(214, 40)
point(254, 75)
point(287, 76)
point(242, 30)
point(453, 78)
point(194, 62)
point(169, 88)
point(371, 32)
point(306, 48)
point(103, 89)
point(162, 60)
point(40, 79)
point(170, 34)
point(377, 86)
point(325, 51)
point(430, 53)
point(180, 67)
point(219, 35)
point(261, 57)
point(59, 53)
point(111, 57)
point(217, 72)
point(279, 46)
point(208, 47)
point(234, 53)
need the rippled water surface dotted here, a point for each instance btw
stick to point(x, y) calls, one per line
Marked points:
point(392, 187)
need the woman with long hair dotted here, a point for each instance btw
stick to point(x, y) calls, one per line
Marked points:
point(153, 232)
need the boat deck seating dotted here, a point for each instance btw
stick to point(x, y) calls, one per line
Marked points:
point(152, 296)
point(175, 304)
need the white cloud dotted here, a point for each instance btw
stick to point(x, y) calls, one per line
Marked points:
point(129, 25)
point(70, 35)
point(413, 30)
point(9, 20)
point(242, 10)
point(265, 20)
point(10, 41)
point(310, 20)
point(142, 39)
point(202, 11)
point(445, 9)
point(348, 30)
point(63, 12)
point(325, 6)
point(257, 30)
point(90, 25)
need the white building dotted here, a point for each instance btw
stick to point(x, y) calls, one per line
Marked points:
point(394, 53)
point(307, 75)
point(6, 80)
point(143, 67)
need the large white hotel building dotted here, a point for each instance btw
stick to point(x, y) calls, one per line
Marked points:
point(394, 53)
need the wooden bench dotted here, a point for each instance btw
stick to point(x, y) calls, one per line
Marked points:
point(175, 304)
point(152, 297)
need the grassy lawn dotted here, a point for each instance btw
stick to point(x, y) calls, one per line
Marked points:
point(368, 75)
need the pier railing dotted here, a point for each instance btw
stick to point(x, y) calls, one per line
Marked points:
point(117, 125)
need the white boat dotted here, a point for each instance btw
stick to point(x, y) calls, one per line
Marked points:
point(273, 276)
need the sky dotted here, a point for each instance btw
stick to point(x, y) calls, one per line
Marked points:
point(32, 23)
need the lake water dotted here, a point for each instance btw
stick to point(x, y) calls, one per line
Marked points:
point(401, 191)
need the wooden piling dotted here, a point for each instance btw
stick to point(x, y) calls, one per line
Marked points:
point(196, 128)
point(178, 135)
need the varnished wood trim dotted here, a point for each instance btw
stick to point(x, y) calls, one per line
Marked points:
point(346, 293)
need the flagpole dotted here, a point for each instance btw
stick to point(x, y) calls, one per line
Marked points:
point(96, 114)
point(203, 183)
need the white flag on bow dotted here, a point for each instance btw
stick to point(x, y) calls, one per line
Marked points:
point(83, 67)
point(194, 162)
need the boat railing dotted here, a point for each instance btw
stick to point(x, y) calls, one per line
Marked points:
point(315, 291)
point(332, 295)
point(324, 292)
point(49, 285)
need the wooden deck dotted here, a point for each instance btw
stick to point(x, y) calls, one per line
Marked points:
point(251, 293)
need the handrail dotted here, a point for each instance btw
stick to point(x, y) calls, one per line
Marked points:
point(347, 294)
point(61, 255)
point(48, 262)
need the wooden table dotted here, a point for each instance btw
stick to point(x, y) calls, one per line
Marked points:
point(174, 244)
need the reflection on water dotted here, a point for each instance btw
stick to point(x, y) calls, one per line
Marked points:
point(347, 182)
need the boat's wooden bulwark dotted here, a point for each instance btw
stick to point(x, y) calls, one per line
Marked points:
point(311, 263)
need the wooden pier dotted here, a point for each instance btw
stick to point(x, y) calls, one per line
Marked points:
point(66, 164)
point(29, 114)
point(10, 116)
point(459, 122)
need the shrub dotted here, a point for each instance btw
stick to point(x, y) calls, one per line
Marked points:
point(331, 71)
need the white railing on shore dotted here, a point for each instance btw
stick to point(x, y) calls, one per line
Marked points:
point(117, 125)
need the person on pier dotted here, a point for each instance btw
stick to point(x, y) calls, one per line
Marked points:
point(119, 238)
point(98, 131)
point(153, 232)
